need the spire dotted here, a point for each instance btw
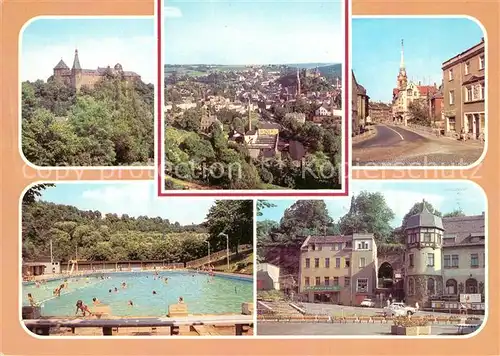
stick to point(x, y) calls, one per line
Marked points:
point(424, 207)
point(298, 83)
point(402, 65)
point(76, 61)
point(249, 116)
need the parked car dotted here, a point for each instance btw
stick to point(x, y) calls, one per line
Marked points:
point(367, 302)
point(399, 309)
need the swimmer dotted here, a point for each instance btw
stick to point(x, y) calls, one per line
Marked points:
point(166, 280)
point(181, 300)
point(81, 306)
point(95, 301)
point(130, 303)
point(37, 284)
point(110, 291)
point(154, 292)
point(116, 290)
point(124, 285)
point(31, 300)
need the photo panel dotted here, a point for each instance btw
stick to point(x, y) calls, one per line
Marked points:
point(421, 95)
point(87, 92)
point(253, 97)
point(112, 259)
point(401, 257)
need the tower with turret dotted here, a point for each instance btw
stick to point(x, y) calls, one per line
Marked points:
point(423, 270)
point(76, 72)
point(402, 77)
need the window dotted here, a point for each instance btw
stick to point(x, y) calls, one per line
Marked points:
point(362, 285)
point(316, 263)
point(481, 62)
point(348, 244)
point(327, 281)
point(439, 239)
point(318, 281)
point(467, 67)
point(452, 124)
point(313, 247)
point(337, 262)
point(409, 92)
point(476, 92)
point(411, 260)
point(347, 263)
point(427, 237)
point(431, 286)
point(468, 93)
point(430, 260)
point(482, 90)
point(474, 260)
point(447, 261)
point(450, 74)
point(335, 281)
point(327, 262)
point(319, 248)
point(454, 261)
point(306, 281)
point(308, 263)
point(451, 97)
point(411, 286)
point(451, 287)
point(347, 281)
point(362, 262)
point(336, 247)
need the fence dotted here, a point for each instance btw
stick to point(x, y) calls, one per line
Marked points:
point(216, 256)
point(95, 266)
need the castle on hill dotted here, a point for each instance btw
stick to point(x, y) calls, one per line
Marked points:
point(76, 77)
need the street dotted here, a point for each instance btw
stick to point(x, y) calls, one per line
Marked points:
point(348, 328)
point(397, 146)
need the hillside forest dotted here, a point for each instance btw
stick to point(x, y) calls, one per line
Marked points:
point(93, 236)
point(108, 125)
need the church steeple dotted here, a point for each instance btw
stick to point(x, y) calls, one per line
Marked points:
point(402, 64)
point(298, 83)
point(76, 61)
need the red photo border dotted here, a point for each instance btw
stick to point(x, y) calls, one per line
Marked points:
point(227, 193)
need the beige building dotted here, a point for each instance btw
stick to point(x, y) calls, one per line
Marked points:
point(338, 269)
point(464, 92)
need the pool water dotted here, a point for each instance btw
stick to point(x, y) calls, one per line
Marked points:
point(201, 293)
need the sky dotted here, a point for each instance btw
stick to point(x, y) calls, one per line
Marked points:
point(428, 42)
point(134, 198)
point(100, 42)
point(253, 32)
point(400, 196)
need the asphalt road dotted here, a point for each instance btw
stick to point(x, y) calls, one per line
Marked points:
point(396, 146)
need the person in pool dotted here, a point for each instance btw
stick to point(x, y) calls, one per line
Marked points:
point(110, 291)
point(96, 301)
point(116, 290)
point(31, 300)
point(124, 285)
point(166, 280)
point(81, 306)
point(181, 300)
point(57, 291)
point(154, 292)
point(130, 303)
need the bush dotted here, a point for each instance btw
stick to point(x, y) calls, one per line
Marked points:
point(407, 321)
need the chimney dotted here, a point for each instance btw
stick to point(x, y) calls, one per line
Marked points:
point(435, 86)
point(419, 83)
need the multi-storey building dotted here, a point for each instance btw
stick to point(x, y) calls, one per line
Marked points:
point(359, 101)
point(338, 269)
point(76, 77)
point(464, 92)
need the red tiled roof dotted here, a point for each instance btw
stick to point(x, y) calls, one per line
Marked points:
point(427, 89)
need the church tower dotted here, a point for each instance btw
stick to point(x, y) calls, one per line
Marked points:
point(298, 83)
point(402, 78)
point(423, 271)
point(76, 72)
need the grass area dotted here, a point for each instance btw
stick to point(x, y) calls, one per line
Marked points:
point(271, 295)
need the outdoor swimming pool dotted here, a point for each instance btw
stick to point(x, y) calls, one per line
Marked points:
point(201, 293)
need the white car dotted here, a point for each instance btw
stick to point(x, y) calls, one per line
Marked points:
point(399, 309)
point(367, 302)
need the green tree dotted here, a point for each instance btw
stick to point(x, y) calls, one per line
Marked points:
point(368, 213)
point(305, 217)
point(455, 213)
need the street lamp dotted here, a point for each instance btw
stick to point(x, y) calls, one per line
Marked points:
point(227, 248)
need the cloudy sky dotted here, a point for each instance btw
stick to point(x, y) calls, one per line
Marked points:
point(400, 196)
point(134, 198)
point(100, 42)
point(253, 32)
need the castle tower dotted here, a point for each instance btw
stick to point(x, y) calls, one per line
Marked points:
point(76, 72)
point(423, 271)
point(59, 70)
point(402, 78)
